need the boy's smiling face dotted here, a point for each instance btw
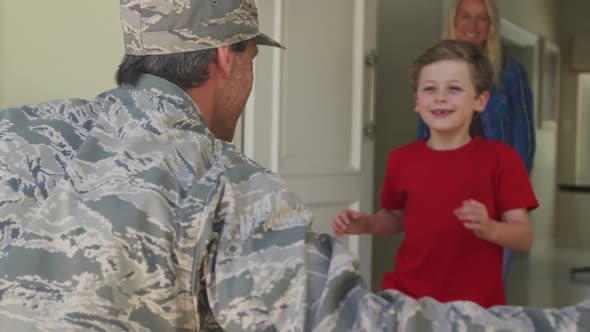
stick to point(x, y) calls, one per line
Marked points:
point(446, 97)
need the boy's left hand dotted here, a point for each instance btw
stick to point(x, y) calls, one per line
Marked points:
point(474, 216)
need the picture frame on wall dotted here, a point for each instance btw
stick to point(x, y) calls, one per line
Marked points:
point(549, 98)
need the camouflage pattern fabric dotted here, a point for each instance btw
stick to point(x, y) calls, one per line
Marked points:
point(165, 26)
point(126, 214)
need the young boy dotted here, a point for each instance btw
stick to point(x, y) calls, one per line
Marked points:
point(458, 198)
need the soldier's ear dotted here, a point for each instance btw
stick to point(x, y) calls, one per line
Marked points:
point(225, 60)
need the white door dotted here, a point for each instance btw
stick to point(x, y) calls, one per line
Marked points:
point(309, 116)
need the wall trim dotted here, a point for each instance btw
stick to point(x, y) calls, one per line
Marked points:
point(517, 34)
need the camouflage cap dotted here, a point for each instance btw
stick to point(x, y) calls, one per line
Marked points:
point(175, 26)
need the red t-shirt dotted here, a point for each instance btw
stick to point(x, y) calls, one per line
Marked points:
point(439, 257)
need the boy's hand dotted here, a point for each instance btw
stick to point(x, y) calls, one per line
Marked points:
point(474, 216)
point(349, 222)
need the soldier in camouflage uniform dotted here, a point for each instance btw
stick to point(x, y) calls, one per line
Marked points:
point(132, 212)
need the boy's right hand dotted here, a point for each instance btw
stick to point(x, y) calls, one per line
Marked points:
point(349, 222)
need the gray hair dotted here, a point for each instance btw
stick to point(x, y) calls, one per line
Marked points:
point(186, 69)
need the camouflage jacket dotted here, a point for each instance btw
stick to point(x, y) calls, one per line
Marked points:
point(126, 214)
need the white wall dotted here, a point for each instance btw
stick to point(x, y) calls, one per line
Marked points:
point(56, 49)
point(537, 16)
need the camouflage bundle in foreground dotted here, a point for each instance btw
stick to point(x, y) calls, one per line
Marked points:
point(126, 214)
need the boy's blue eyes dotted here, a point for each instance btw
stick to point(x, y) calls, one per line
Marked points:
point(452, 88)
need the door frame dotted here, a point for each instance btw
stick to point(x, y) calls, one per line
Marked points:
point(263, 109)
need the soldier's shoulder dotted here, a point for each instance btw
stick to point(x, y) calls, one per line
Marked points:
point(238, 166)
point(71, 110)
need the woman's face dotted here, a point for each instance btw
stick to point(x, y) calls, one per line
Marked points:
point(473, 22)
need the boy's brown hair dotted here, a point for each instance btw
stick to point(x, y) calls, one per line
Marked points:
point(480, 68)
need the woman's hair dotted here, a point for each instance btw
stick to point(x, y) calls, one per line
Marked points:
point(480, 68)
point(492, 47)
point(187, 69)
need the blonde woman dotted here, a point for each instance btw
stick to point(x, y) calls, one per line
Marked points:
point(508, 116)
